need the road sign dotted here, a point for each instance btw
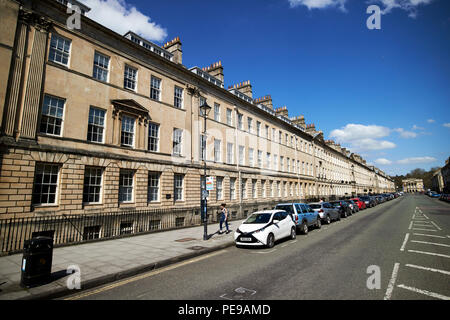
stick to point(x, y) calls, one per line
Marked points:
point(205, 194)
point(209, 183)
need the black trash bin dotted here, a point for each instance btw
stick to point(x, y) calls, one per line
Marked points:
point(37, 261)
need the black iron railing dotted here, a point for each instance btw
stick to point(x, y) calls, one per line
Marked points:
point(72, 229)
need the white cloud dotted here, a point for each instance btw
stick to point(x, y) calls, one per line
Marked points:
point(121, 17)
point(447, 125)
point(417, 128)
point(352, 132)
point(383, 161)
point(416, 160)
point(319, 4)
point(361, 137)
point(405, 134)
point(410, 6)
point(431, 121)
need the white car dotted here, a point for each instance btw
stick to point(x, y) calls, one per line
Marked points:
point(263, 228)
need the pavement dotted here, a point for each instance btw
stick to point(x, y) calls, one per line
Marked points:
point(106, 261)
point(367, 256)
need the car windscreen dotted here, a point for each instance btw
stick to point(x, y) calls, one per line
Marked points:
point(365, 198)
point(315, 206)
point(335, 204)
point(258, 218)
point(288, 208)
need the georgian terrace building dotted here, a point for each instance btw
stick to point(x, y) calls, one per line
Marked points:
point(94, 121)
point(413, 185)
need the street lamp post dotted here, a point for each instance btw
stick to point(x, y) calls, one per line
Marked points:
point(205, 109)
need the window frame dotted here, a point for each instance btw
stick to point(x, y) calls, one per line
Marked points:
point(42, 115)
point(63, 53)
point(125, 78)
point(100, 186)
point(100, 67)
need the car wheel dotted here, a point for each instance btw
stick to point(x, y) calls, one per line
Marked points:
point(304, 227)
point(270, 240)
point(328, 220)
point(318, 223)
point(293, 233)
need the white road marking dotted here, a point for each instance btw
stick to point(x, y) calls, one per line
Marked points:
point(424, 292)
point(391, 284)
point(434, 224)
point(432, 243)
point(430, 253)
point(290, 242)
point(429, 235)
point(428, 269)
point(425, 216)
point(410, 225)
point(404, 242)
point(424, 229)
point(423, 225)
point(265, 252)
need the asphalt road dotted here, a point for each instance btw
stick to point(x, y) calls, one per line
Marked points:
point(406, 239)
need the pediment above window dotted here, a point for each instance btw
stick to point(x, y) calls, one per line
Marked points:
point(130, 106)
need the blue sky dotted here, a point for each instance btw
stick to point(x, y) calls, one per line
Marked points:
point(383, 93)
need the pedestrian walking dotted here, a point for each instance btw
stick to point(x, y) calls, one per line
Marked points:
point(223, 217)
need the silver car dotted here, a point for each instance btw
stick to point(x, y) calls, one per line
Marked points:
point(326, 211)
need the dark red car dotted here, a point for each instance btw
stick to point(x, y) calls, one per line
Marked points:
point(361, 204)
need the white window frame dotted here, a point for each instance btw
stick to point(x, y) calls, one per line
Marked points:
point(96, 184)
point(130, 76)
point(133, 133)
point(101, 68)
point(155, 91)
point(122, 173)
point(178, 94)
point(60, 51)
point(95, 124)
point(52, 115)
point(177, 142)
point(54, 181)
point(151, 138)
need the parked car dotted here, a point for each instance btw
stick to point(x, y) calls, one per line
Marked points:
point(380, 199)
point(368, 201)
point(326, 211)
point(353, 206)
point(361, 204)
point(343, 208)
point(304, 217)
point(434, 194)
point(264, 228)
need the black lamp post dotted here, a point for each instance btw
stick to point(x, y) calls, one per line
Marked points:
point(205, 109)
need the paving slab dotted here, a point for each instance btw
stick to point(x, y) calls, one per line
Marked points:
point(106, 261)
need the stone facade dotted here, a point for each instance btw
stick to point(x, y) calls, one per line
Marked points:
point(413, 185)
point(47, 67)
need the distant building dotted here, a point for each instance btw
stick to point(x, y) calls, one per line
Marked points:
point(441, 178)
point(412, 185)
point(437, 182)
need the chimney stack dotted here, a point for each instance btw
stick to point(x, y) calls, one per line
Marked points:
point(215, 70)
point(310, 128)
point(174, 47)
point(283, 111)
point(243, 87)
point(300, 121)
point(266, 101)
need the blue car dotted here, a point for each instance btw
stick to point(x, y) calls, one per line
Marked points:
point(434, 194)
point(302, 214)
